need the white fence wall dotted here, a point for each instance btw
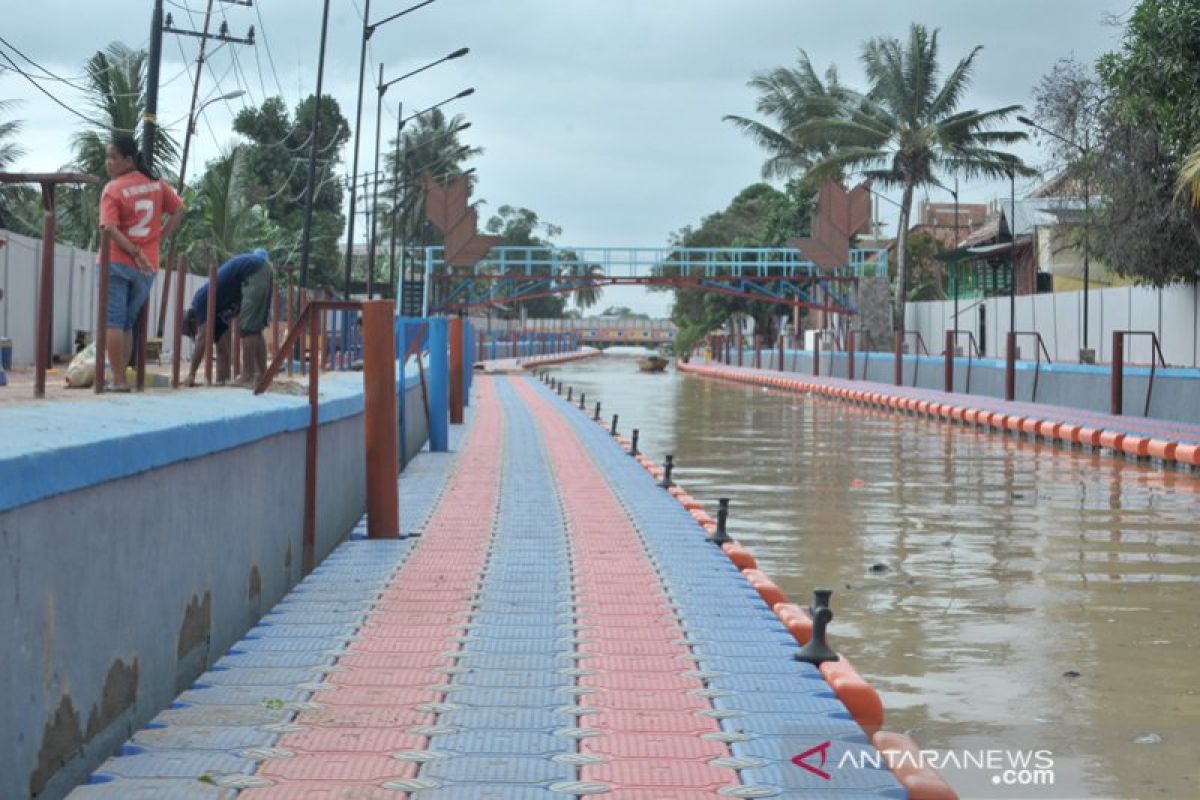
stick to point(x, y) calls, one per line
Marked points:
point(76, 280)
point(1172, 313)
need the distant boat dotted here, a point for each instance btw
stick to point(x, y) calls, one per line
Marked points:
point(653, 364)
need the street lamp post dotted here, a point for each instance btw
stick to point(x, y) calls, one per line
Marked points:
point(381, 89)
point(309, 184)
point(1086, 354)
point(368, 31)
point(187, 141)
point(1012, 253)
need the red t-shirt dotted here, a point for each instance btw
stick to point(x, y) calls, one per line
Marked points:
point(134, 205)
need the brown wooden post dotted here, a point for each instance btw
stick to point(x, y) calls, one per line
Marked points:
point(1116, 403)
point(455, 333)
point(948, 370)
point(816, 355)
point(380, 421)
point(1010, 367)
point(102, 313)
point(235, 346)
point(291, 304)
point(209, 326)
point(139, 344)
point(45, 311)
point(757, 351)
point(180, 266)
point(850, 337)
point(898, 366)
point(779, 337)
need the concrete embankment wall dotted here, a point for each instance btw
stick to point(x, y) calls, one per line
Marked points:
point(140, 536)
point(1176, 394)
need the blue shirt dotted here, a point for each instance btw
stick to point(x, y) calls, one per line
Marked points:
point(230, 277)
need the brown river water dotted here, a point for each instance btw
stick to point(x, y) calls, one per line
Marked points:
point(1029, 598)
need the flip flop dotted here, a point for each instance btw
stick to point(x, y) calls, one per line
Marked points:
point(112, 387)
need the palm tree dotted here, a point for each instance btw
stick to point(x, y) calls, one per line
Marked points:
point(10, 196)
point(116, 82)
point(588, 292)
point(793, 96)
point(221, 222)
point(905, 132)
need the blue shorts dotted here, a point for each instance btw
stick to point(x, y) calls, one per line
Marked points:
point(128, 290)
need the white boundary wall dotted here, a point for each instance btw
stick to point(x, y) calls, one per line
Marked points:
point(76, 280)
point(1172, 313)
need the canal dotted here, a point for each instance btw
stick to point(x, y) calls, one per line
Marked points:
point(1000, 594)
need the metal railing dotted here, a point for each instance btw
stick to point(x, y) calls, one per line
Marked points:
point(1010, 364)
point(951, 352)
point(901, 341)
point(1117, 398)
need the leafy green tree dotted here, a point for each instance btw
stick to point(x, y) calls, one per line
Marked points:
point(905, 132)
point(759, 216)
point(274, 177)
point(1151, 124)
point(519, 227)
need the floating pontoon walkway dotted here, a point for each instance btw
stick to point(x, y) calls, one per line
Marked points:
point(1166, 440)
point(555, 625)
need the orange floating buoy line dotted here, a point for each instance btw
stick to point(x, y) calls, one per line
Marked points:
point(806, 624)
point(1083, 429)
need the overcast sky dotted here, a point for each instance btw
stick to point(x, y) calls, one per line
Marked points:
point(604, 117)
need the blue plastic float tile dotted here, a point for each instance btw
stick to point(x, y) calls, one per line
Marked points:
point(530, 743)
point(485, 791)
point(515, 679)
point(111, 788)
point(865, 783)
point(510, 697)
point(499, 768)
point(242, 676)
point(222, 716)
point(797, 702)
point(296, 644)
point(269, 660)
point(190, 737)
point(240, 695)
point(176, 764)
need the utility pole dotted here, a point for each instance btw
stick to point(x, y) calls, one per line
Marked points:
point(152, 91)
point(150, 114)
point(310, 189)
point(367, 30)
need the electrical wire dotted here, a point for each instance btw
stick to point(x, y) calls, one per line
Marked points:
point(46, 92)
point(262, 34)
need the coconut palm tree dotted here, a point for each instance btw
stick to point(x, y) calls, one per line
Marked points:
point(904, 133)
point(588, 292)
point(793, 96)
point(221, 222)
point(11, 196)
point(116, 82)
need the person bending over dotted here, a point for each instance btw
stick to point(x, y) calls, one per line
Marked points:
point(243, 289)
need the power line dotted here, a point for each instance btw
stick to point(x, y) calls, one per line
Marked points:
point(44, 91)
point(270, 59)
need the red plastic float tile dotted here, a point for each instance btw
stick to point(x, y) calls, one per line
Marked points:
point(661, 794)
point(415, 647)
point(363, 717)
point(433, 633)
point(352, 740)
point(678, 722)
point(356, 767)
point(652, 774)
point(321, 791)
point(383, 677)
point(356, 658)
point(662, 746)
point(375, 696)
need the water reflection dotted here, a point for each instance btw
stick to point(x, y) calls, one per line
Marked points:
point(1005, 564)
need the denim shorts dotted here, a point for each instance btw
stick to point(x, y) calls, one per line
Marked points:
point(128, 290)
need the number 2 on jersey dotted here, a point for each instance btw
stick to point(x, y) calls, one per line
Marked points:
point(145, 211)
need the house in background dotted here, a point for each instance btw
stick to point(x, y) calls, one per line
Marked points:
point(939, 219)
point(1060, 205)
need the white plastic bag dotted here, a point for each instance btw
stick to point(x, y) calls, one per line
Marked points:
point(81, 372)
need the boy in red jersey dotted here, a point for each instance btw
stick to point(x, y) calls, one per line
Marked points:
point(131, 210)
